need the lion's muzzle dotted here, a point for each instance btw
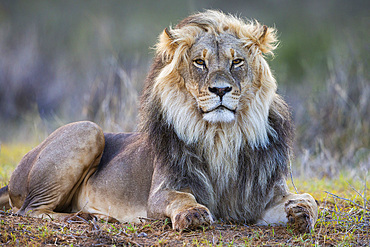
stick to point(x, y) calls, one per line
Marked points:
point(220, 100)
point(220, 105)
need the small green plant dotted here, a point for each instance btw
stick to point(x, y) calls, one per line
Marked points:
point(44, 231)
point(20, 226)
point(132, 228)
point(162, 241)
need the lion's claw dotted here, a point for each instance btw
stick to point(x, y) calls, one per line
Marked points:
point(79, 217)
point(300, 215)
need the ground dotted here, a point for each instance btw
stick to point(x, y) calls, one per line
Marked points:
point(340, 223)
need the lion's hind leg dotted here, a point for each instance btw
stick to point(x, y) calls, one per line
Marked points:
point(47, 178)
point(297, 210)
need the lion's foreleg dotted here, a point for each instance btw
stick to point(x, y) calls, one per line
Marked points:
point(181, 207)
point(298, 210)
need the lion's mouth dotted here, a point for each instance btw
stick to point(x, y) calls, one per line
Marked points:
point(219, 114)
point(218, 108)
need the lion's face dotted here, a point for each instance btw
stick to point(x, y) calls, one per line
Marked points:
point(217, 76)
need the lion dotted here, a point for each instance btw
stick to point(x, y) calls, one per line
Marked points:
point(213, 141)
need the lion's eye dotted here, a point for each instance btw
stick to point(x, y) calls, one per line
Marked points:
point(200, 62)
point(237, 61)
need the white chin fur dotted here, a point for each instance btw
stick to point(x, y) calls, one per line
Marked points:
point(219, 115)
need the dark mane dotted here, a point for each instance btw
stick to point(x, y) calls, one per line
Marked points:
point(259, 169)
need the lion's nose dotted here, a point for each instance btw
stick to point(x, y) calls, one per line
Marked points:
point(220, 91)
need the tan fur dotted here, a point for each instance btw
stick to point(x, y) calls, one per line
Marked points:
point(213, 143)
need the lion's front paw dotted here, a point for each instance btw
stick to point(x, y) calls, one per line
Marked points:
point(301, 214)
point(192, 218)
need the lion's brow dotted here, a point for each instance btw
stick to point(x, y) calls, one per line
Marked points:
point(205, 52)
point(217, 50)
point(232, 51)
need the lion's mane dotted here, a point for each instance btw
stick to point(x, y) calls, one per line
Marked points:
point(232, 168)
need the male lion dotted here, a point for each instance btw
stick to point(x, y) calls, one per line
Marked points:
point(214, 141)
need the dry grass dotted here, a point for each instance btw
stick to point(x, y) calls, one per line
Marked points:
point(340, 224)
point(333, 124)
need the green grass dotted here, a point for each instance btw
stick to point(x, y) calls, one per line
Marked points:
point(10, 155)
point(341, 185)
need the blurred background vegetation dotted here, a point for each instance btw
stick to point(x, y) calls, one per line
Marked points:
point(63, 61)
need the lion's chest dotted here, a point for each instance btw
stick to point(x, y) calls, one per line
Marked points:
point(230, 189)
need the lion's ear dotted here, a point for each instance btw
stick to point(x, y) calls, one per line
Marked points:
point(267, 39)
point(169, 35)
point(263, 37)
point(167, 44)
